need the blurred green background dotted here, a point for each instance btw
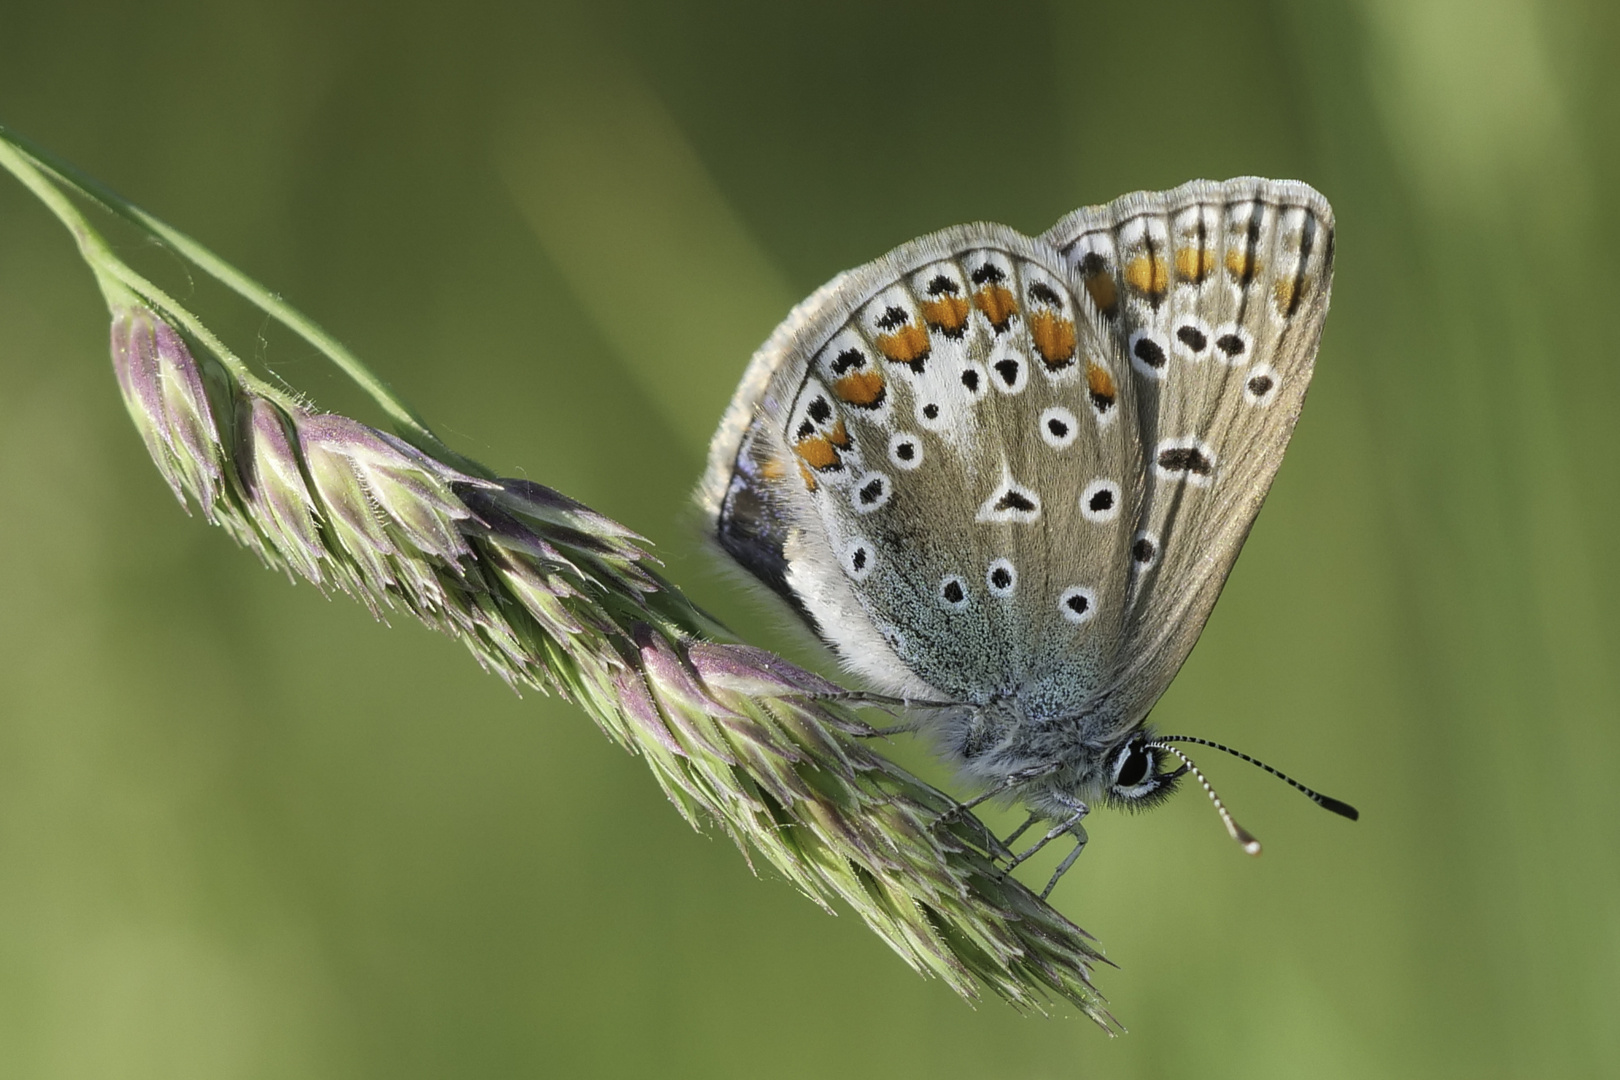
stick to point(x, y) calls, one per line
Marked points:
point(247, 832)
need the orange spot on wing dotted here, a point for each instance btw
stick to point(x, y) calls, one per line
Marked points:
point(1054, 338)
point(771, 469)
point(998, 305)
point(1104, 293)
point(1100, 384)
point(860, 388)
point(1147, 274)
point(1284, 291)
point(907, 345)
point(948, 314)
point(818, 452)
point(1194, 264)
point(1241, 264)
point(838, 436)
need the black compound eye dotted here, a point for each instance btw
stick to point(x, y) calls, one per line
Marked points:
point(1133, 767)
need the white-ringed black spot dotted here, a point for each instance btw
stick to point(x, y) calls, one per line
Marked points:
point(932, 415)
point(1185, 459)
point(1077, 604)
point(988, 273)
point(819, 410)
point(1010, 503)
point(871, 492)
point(858, 559)
point(1233, 343)
point(1145, 551)
point(804, 431)
point(1002, 577)
point(953, 593)
point(1148, 355)
point(1191, 340)
point(970, 379)
point(1099, 502)
point(1008, 368)
point(942, 286)
point(1260, 388)
point(1058, 427)
point(905, 450)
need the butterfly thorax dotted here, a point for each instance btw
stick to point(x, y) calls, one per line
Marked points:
point(1000, 738)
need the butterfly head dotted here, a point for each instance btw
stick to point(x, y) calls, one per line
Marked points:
point(1134, 777)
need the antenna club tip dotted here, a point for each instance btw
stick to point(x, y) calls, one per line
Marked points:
point(1343, 809)
point(1244, 837)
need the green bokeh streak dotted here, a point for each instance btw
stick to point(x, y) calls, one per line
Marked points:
point(245, 832)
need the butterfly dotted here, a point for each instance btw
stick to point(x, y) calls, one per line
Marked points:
point(1005, 478)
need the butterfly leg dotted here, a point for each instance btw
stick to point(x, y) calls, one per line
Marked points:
point(884, 701)
point(1034, 772)
point(889, 704)
point(1068, 860)
point(886, 732)
point(1021, 830)
point(1071, 825)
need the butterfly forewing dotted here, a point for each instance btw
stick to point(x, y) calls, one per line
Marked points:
point(1215, 293)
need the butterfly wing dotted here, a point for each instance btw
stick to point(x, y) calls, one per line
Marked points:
point(1215, 294)
point(935, 459)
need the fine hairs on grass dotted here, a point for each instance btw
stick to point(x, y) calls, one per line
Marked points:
point(549, 594)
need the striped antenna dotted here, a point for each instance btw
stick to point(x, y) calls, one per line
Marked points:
point(1343, 809)
point(1243, 836)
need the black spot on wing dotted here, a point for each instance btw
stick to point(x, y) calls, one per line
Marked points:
point(893, 317)
point(849, 358)
point(1150, 353)
point(1187, 459)
point(1015, 500)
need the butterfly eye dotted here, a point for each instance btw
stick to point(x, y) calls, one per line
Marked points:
point(1133, 768)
